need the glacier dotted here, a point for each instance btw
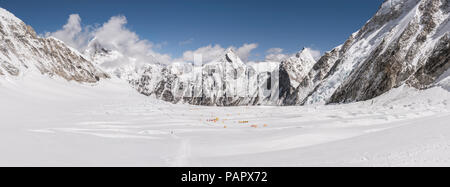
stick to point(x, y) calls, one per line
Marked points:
point(379, 99)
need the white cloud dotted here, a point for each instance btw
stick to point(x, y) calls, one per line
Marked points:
point(209, 53)
point(276, 55)
point(73, 33)
point(245, 51)
point(212, 52)
point(115, 36)
point(112, 35)
point(275, 51)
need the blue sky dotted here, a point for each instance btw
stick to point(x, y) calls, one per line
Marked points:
point(190, 24)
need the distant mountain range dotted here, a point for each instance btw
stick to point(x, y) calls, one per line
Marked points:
point(406, 42)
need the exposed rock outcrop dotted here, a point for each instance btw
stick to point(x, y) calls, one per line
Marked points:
point(414, 52)
point(21, 50)
point(293, 71)
point(224, 82)
point(406, 42)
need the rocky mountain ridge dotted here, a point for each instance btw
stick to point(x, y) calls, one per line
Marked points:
point(23, 52)
point(406, 42)
point(226, 81)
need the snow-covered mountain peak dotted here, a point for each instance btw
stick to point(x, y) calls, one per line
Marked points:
point(8, 16)
point(392, 5)
point(94, 48)
point(12, 26)
point(109, 60)
point(405, 42)
point(305, 55)
point(228, 60)
point(117, 62)
point(292, 73)
point(298, 66)
point(22, 52)
point(231, 57)
point(227, 81)
point(230, 50)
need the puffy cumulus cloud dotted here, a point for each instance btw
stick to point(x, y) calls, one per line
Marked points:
point(275, 51)
point(245, 51)
point(212, 52)
point(275, 55)
point(112, 35)
point(208, 53)
point(73, 33)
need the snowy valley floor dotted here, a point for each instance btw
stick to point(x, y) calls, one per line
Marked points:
point(54, 123)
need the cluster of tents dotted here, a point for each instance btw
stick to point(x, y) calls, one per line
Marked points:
point(215, 120)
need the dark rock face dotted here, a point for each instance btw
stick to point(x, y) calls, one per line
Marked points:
point(10, 69)
point(213, 84)
point(319, 72)
point(287, 92)
point(293, 71)
point(406, 42)
point(66, 63)
point(21, 49)
point(389, 66)
point(436, 65)
point(142, 84)
point(397, 46)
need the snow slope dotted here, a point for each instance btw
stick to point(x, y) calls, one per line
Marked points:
point(24, 53)
point(226, 81)
point(406, 42)
point(444, 80)
point(48, 122)
point(298, 66)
